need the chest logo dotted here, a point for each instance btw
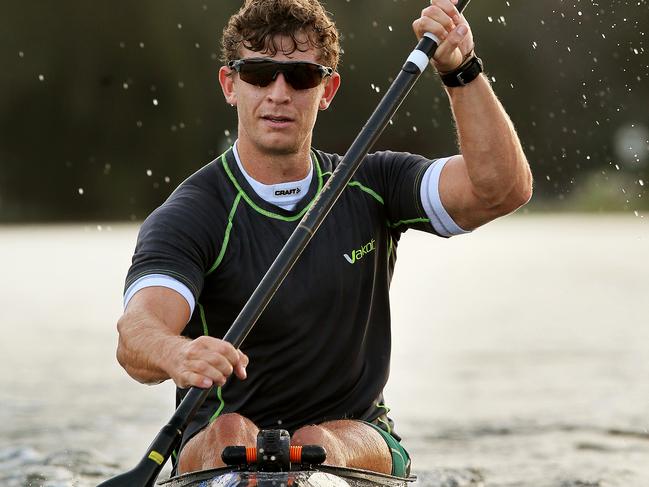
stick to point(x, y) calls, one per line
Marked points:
point(287, 192)
point(358, 254)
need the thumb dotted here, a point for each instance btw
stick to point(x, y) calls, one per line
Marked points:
point(449, 56)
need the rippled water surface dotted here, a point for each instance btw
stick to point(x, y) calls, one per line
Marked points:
point(521, 355)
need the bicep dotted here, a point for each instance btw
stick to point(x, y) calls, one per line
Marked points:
point(459, 198)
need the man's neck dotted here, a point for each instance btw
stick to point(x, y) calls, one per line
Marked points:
point(269, 168)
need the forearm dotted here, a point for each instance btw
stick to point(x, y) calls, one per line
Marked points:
point(495, 162)
point(145, 347)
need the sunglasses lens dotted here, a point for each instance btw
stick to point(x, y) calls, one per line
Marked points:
point(303, 76)
point(260, 74)
point(300, 76)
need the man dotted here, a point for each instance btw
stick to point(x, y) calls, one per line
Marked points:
point(319, 355)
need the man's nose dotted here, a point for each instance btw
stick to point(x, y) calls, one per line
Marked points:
point(279, 88)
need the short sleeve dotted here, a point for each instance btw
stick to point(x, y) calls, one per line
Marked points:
point(397, 178)
point(176, 240)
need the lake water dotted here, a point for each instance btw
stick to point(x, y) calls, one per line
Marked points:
point(521, 355)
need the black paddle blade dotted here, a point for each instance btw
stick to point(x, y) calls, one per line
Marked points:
point(146, 472)
point(137, 477)
point(143, 475)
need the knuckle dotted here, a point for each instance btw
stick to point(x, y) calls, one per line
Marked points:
point(227, 369)
point(201, 367)
point(220, 379)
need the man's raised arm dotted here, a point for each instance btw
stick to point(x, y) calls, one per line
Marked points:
point(491, 177)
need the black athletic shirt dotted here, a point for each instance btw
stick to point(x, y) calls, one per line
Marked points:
point(321, 349)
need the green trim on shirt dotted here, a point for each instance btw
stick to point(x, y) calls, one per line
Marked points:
point(226, 238)
point(269, 213)
point(362, 187)
point(408, 222)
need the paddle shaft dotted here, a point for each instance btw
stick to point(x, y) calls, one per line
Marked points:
point(146, 472)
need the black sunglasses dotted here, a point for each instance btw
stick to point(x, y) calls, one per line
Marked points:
point(301, 75)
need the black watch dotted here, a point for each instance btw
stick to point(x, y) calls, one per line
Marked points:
point(464, 74)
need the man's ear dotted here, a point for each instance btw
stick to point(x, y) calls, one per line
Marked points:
point(226, 80)
point(331, 87)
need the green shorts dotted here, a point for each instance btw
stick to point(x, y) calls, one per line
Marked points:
point(400, 457)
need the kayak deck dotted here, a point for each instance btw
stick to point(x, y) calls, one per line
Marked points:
point(322, 476)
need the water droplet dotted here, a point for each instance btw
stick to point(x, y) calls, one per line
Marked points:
point(125, 86)
point(155, 102)
point(21, 54)
point(180, 26)
point(149, 172)
point(167, 179)
point(226, 132)
point(41, 77)
point(80, 190)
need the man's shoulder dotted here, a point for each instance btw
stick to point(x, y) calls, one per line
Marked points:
point(372, 159)
point(198, 198)
point(207, 181)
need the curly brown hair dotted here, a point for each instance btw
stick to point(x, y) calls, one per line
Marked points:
point(258, 23)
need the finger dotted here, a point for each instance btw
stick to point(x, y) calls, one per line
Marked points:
point(222, 365)
point(240, 372)
point(427, 24)
point(452, 42)
point(440, 16)
point(227, 351)
point(240, 369)
point(243, 358)
point(448, 7)
point(215, 373)
point(193, 379)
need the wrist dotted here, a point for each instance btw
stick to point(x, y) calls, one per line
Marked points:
point(465, 73)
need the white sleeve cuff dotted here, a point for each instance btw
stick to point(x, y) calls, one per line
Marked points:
point(432, 203)
point(160, 280)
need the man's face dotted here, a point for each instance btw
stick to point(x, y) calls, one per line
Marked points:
point(277, 119)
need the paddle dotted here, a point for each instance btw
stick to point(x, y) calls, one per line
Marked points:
point(146, 472)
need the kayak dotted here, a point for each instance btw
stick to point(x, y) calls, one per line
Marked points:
point(275, 463)
point(320, 476)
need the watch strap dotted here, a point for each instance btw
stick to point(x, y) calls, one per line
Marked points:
point(464, 74)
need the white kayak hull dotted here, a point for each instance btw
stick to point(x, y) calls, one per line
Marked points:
point(322, 476)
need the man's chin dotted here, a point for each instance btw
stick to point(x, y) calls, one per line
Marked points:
point(280, 147)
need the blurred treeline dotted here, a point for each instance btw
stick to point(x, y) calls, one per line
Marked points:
point(107, 106)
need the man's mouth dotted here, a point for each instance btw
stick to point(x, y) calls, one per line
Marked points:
point(277, 118)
